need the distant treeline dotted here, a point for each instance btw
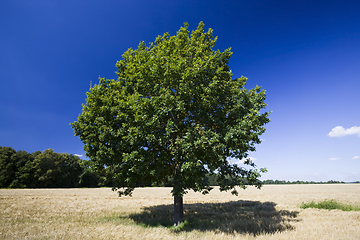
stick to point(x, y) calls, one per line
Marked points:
point(48, 169)
point(297, 182)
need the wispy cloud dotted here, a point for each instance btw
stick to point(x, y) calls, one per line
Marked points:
point(334, 159)
point(253, 159)
point(340, 131)
point(78, 155)
point(356, 157)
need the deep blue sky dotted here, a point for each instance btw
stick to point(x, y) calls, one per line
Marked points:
point(306, 54)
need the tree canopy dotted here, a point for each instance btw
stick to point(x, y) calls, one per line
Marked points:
point(174, 112)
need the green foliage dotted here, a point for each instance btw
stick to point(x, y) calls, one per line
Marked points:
point(95, 177)
point(174, 112)
point(57, 169)
point(330, 205)
point(19, 169)
point(298, 182)
point(89, 179)
point(24, 174)
point(8, 162)
point(181, 227)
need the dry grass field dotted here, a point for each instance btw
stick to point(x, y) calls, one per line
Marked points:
point(270, 213)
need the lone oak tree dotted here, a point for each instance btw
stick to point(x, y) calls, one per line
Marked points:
point(174, 113)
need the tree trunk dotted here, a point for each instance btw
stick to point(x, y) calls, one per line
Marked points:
point(178, 210)
point(178, 198)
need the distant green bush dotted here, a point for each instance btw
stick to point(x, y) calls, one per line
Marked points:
point(269, 181)
point(330, 205)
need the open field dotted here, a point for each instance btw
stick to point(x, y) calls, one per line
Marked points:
point(270, 213)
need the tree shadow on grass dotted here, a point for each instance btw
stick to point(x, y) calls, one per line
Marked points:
point(251, 217)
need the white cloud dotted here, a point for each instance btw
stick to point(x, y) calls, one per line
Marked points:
point(78, 155)
point(234, 161)
point(340, 131)
point(237, 161)
point(334, 159)
point(253, 159)
point(356, 157)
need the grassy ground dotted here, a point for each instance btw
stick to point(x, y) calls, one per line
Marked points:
point(331, 205)
point(271, 213)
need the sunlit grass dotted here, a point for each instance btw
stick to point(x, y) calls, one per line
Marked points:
point(330, 205)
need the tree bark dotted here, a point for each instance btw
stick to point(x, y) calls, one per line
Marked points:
point(178, 198)
point(178, 210)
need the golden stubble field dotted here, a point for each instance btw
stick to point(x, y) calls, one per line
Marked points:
point(270, 213)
